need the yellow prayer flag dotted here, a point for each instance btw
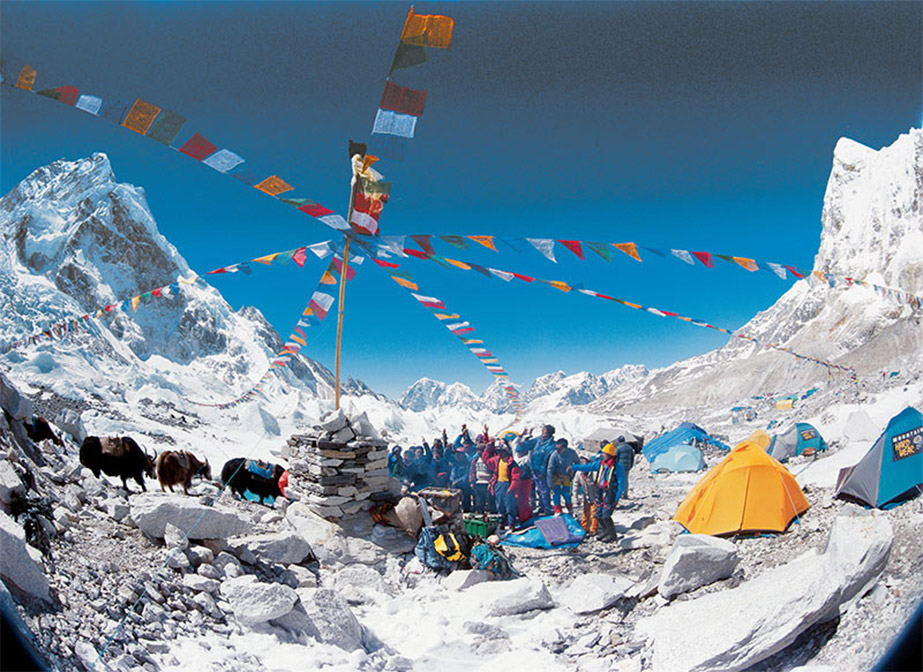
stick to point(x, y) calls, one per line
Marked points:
point(26, 78)
point(472, 341)
point(368, 161)
point(135, 300)
point(557, 284)
point(267, 259)
point(462, 265)
point(445, 316)
point(490, 361)
point(298, 339)
point(628, 248)
point(141, 116)
point(486, 241)
point(328, 279)
point(749, 264)
point(428, 30)
point(99, 313)
point(308, 311)
point(274, 185)
point(405, 283)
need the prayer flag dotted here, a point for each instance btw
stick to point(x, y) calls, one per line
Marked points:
point(447, 316)
point(327, 278)
point(68, 94)
point(601, 249)
point(393, 123)
point(135, 300)
point(429, 301)
point(486, 241)
point(367, 161)
point(315, 209)
point(113, 111)
point(408, 284)
point(705, 258)
point(359, 148)
point(425, 245)
point(338, 265)
point(299, 256)
point(427, 30)
point(166, 127)
point(545, 246)
point(26, 78)
point(320, 250)
point(267, 259)
point(401, 99)
point(455, 241)
point(777, 269)
point(557, 284)
point(684, 255)
point(503, 275)
point(406, 56)
point(274, 185)
point(198, 147)
point(460, 264)
point(525, 278)
point(385, 264)
point(480, 269)
point(223, 160)
point(365, 223)
point(628, 248)
point(248, 177)
point(89, 104)
point(749, 264)
point(573, 246)
point(320, 303)
point(141, 116)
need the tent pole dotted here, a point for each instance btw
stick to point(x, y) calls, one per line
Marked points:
point(343, 271)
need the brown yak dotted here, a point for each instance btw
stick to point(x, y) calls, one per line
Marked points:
point(179, 466)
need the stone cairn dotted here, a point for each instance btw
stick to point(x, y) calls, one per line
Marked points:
point(341, 468)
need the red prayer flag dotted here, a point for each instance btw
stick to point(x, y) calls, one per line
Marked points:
point(573, 246)
point(315, 210)
point(298, 256)
point(795, 272)
point(523, 277)
point(68, 94)
point(401, 99)
point(385, 264)
point(416, 253)
point(198, 147)
point(705, 258)
point(368, 205)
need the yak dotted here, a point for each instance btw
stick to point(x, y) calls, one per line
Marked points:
point(39, 430)
point(261, 478)
point(117, 456)
point(179, 466)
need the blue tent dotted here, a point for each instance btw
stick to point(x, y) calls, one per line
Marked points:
point(679, 458)
point(685, 433)
point(800, 437)
point(892, 470)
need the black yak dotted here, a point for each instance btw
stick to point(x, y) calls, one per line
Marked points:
point(117, 456)
point(260, 478)
point(179, 466)
point(39, 430)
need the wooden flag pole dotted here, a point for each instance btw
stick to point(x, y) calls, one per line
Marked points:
point(343, 271)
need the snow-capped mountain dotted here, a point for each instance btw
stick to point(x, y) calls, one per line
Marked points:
point(73, 240)
point(427, 393)
point(872, 232)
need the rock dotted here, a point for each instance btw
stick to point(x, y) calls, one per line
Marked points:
point(70, 422)
point(253, 602)
point(326, 538)
point(860, 564)
point(657, 535)
point(87, 654)
point(175, 538)
point(284, 548)
point(11, 401)
point(589, 593)
point(344, 435)
point(506, 598)
point(694, 561)
point(465, 578)
point(200, 555)
point(212, 572)
point(333, 421)
point(177, 559)
point(117, 509)
point(152, 511)
point(16, 565)
point(335, 622)
point(206, 603)
point(200, 583)
point(364, 427)
point(359, 584)
point(11, 486)
point(298, 623)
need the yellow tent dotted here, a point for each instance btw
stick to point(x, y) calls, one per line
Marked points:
point(748, 491)
point(785, 404)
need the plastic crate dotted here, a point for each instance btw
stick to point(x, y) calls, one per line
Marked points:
point(483, 526)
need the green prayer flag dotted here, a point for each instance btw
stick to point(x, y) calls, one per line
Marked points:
point(602, 249)
point(298, 202)
point(407, 56)
point(166, 127)
point(50, 93)
point(455, 241)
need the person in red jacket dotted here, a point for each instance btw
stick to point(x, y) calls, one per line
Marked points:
point(519, 494)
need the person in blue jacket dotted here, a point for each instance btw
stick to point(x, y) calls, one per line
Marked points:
point(541, 448)
point(610, 483)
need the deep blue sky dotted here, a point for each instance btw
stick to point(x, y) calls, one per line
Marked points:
point(703, 126)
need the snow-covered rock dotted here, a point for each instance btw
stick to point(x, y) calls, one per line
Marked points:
point(70, 422)
point(858, 548)
point(284, 548)
point(506, 598)
point(254, 602)
point(694, 561)
point(152, 511)
point(16, 564)
point(18, 406)
point(335, 622)
point(465, 578)
point(589, 593)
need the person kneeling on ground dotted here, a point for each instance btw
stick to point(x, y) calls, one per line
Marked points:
point(610, 481)
point(559, 474)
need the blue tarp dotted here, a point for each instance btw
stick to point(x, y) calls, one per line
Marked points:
point(678, 436)
point(532, 537)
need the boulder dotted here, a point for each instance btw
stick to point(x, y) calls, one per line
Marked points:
point(694, 561)
point(364, 427)
point(284, 548)
point(658, 535)
point(11, 486)
point(359, 584)
point(325, 538)
point(11, 401)
point(152, 511)
point(298, 623)
point(70, 422)
point(335, 622)
point(506, 598)
point(589, 593)
point(253, 602)
point(333, 421)
point(465, 578)
point(175, 538)
point(117, 509)
point(16, 565)
point(200, 584)
point(860, 564)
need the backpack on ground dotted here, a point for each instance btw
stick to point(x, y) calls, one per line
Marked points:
point(490, 558)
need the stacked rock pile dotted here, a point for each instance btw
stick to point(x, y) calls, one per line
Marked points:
point(341, 467)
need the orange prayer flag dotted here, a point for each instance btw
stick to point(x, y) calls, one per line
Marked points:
point(274, 185)
point(461, 264)
point(486, 241)
point(27, 77)
point(368, 161)
point(557, 284)
point(444, 316)
point(267, 259)
point(405, 283)
point(328, 279)
point(308, 311)
point(141, 116)
point(633, 305)
point(749, 264)
point(427, 30)
point(135, 300)
point(628, 248)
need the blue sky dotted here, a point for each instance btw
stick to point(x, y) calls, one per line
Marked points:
point(702, 126)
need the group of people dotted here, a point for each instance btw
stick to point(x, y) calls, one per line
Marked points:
point(519, 476)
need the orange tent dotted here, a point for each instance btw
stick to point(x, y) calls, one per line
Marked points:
point(748, 491)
